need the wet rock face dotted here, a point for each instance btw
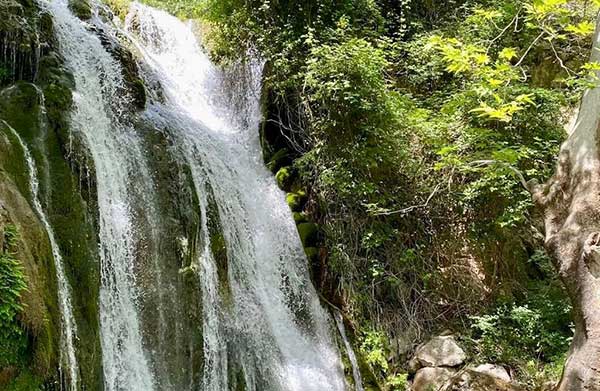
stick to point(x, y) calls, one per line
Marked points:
point(18, 41)
point(134, 85)
point(39, 114)
point(32, 251)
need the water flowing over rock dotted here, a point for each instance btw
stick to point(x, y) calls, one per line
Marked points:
point(262, 317)
point(358, 383)
point(204, 284)
point(68, 325)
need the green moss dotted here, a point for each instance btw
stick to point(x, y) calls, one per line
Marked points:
point(13, 339)
point(119, 7)
point(309, 234)
point(284, 177)
point(312, 253)
point(25, 381)
point(296, 200)
point(299, 217)
point(81, 9)
point(67, 212)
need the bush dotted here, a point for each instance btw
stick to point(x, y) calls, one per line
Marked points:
point(531, 334)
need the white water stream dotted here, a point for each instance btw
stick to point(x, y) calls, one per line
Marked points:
point(99, 103)
point(274, 322)
point(339, 321)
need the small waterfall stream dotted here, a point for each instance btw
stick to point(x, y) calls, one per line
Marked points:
point(339, 321)
point(69, 327)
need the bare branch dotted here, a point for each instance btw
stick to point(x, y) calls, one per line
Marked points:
point(410, 208)
point(479, 163)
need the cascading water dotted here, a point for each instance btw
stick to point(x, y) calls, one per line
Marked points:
point(118, 162)
point(267, 319)
point(69, 327)
point(262, 326)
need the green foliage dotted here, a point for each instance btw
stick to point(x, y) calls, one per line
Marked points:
point(531, 333)
point(13, 340)
point(417, 126)
point(398, 382)
point(373, 348)
point(25, 381)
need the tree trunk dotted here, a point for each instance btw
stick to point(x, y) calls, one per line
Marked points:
point(571, 205)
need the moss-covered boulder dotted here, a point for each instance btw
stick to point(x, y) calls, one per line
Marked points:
point(81, 8)
point(296, 200)
point(284, 178)
point(309, 234)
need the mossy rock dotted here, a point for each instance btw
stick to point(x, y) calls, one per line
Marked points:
point(68, 214)
point(312, 254)
point(81, 9)
point(299, 217)
point(309, 234)
point(296, 200)
point(119, 7)
point(285, 177)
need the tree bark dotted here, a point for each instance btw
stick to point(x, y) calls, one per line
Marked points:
point(571, 206)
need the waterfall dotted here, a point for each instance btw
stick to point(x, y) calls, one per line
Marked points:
point(358, 384)
point(262, 325)
point(269, 320)
point(68, 325)
point(99, 106)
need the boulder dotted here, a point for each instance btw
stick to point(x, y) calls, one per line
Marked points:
point(470, 380)
point(296, 200)
point(493, 370)
point(81, 9)
point(284, 177)
point(431, 378)
point(441, 351)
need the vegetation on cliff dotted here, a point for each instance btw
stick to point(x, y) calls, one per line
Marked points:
point(417, 129)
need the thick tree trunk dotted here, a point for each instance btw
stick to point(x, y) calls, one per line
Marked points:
point(571, 205)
